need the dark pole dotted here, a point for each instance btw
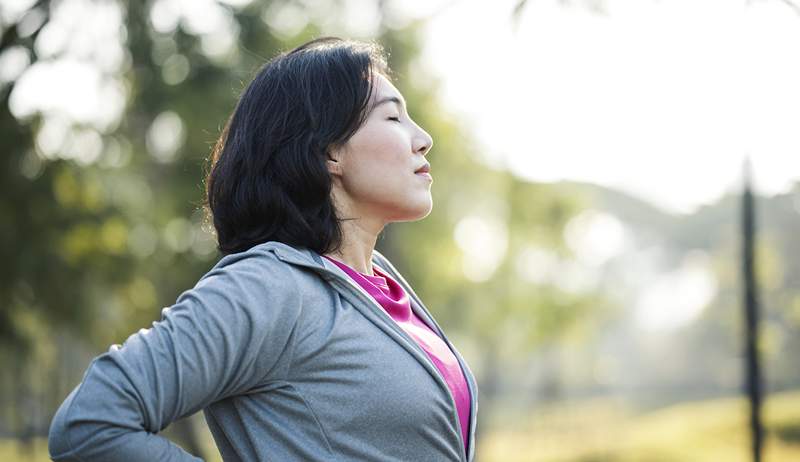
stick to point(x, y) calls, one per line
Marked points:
point(753, 374)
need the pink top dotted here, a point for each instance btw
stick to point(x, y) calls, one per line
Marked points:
point(394, 300)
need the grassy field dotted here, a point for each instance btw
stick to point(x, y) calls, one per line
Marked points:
point(604, 431)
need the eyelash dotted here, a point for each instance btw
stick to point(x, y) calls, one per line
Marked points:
point(397, 119)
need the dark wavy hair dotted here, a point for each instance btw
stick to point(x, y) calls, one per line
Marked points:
point(267, 178)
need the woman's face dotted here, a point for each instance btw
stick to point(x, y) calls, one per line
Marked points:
point(374, 172)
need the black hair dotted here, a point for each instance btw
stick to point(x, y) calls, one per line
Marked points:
point(268, 179)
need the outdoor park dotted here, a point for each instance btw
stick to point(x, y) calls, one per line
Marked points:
point(614, 244)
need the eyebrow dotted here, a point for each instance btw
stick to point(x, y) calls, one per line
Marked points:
point(390, 99)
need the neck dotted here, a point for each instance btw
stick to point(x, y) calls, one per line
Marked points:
point(359, 236)
point(356, 249)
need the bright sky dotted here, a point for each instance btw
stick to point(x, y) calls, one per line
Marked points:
point(661, 99)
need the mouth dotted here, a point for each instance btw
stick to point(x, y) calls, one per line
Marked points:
point(424, 169)
point(425, 172)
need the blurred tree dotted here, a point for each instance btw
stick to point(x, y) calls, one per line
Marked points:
point(103, 223)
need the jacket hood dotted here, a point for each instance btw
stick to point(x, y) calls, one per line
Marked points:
point(303, 256)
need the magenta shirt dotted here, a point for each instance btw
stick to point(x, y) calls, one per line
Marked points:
point(394, 300)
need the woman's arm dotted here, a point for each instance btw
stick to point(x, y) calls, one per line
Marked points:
point(220, 338)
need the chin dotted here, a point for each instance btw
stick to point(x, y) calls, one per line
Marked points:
point(418, 213)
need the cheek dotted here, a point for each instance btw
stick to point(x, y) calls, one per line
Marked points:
point(380, 160)
point(382, 138)
point(374, 178)
point(380, 153)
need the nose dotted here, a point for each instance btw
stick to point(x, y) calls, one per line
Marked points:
point(422, 142)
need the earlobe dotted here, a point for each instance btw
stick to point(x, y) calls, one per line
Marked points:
point(333, 163)
point(334, 166)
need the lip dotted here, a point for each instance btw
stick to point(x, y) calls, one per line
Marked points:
point(424, 169)
point(425, 175)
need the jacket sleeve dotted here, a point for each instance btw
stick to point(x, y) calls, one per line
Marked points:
point(221, 338)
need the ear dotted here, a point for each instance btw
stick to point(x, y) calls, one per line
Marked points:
point(334, 161)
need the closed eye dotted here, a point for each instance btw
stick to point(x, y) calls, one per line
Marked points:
point(395, 119)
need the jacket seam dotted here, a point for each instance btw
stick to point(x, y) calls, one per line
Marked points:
point(293, 334)
point(293, 346)
point(314, 416)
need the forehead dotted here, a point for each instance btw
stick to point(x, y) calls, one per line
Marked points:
point(383, 88)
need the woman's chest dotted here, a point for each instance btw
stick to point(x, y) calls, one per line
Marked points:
point(357, 369)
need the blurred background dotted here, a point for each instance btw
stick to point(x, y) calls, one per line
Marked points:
point(584, 252)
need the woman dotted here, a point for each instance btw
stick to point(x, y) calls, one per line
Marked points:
point(303, 343)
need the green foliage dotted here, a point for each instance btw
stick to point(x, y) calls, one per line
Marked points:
point(97, 249)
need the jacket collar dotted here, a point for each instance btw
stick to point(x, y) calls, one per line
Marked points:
point(303, 256)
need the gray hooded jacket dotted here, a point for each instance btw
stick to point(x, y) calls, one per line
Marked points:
point(289, 359)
